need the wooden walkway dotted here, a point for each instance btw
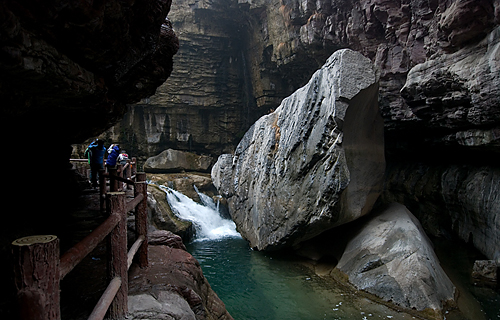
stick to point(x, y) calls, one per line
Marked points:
point(40, 268)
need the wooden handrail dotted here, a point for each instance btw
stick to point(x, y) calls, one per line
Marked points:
point(133, 250)
point(133, 203)
point(51, 268)
point(118, 178)
point(73, 256)
point(106, 299)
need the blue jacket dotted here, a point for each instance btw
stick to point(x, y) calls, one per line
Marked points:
point(95, 154)
point(112, 156)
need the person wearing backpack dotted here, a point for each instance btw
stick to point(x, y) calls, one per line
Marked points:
point(95, 155)
point(113, 153)
point(122, 159)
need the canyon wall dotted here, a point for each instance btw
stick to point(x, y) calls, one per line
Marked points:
point(439, 77)
point(238, 60)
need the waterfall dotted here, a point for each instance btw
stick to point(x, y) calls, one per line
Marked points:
point(208, 223)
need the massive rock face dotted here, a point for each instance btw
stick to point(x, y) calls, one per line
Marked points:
point(314, 163)
point(177, 161)
point(231, 71)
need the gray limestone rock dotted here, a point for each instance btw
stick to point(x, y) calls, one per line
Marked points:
point(165, 306)
point(392, 258)
point(315, 163)
point(176, 161)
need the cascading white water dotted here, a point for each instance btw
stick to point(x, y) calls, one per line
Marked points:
point(208, 223)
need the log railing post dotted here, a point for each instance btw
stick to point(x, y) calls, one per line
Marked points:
point(36, 270)
point(133, 168)
point(102, 190)
point(128, 171)
point(113, 183)
point(141, 219)
point(117, 255)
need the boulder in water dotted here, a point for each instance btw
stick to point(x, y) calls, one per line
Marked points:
point(315, 163)
point(392, 258)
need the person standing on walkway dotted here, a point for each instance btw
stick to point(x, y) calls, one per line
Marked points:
point(113, 153)
point(95, 154)
point(123, 158)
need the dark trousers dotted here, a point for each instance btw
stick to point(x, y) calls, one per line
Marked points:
point(94, 173)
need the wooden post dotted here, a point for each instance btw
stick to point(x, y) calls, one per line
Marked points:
point(119, 169)
point(128, 171)
point(134, 167)
point(102, 190)
point(113, 183)
point(117, 255)
point(36, 269)
point(141, 219)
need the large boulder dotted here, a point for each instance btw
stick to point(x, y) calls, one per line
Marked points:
point(315, 163)
point(392, 258)
point(172, 287)
point(177, 161)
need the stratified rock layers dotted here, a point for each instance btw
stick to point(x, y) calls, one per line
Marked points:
point(315, 163)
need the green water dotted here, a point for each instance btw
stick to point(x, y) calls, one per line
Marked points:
point(258, 286)
point(262, 286)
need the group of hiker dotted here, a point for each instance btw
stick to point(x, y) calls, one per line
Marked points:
point(95, 153)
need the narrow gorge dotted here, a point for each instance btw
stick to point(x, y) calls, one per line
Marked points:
point(356, 132)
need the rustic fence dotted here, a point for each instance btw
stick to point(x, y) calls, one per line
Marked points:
point(39, 268)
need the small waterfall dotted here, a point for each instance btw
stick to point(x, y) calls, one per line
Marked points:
point(206, 200)
point(207, 221)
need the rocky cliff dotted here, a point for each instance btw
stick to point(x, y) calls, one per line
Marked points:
point(237, 60)
point(439, 80)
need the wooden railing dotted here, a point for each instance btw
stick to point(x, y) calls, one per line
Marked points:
point(39, 268)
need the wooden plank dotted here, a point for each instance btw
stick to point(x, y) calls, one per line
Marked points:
point(141, 219)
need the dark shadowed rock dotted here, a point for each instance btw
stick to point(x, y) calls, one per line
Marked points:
point(466, 195)
point(315, 163)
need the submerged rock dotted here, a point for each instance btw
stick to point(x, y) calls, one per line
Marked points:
point(392, 258)
point(315, 163)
